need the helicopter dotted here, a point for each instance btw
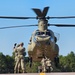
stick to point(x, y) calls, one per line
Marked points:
point(43, 40)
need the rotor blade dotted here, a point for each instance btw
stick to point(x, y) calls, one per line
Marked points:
point(45, 11)
point(62, 25)
point(64, 17)
point(11, 17)
point(38, 12)
point(17, 26)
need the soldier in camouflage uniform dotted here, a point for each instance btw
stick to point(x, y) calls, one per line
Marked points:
point(20, 62)
point(43, 62)
point(49, 65)
point(16, 57)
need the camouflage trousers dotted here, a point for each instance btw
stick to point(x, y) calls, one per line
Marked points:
point(20, 64)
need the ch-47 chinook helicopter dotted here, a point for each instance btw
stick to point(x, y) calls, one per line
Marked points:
point(43, 41)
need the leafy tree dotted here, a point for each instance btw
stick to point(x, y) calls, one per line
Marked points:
point(10, 63)
point(67, 63)
point(6, 63)
point(2, 63)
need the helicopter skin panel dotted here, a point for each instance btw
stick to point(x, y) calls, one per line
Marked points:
point(42, 38)
point(41, 49)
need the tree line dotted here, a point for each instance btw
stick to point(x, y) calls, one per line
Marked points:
point(66, 63)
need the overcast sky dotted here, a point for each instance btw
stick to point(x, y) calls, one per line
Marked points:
point(22, 8)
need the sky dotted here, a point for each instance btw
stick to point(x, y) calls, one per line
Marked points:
point(23, 8)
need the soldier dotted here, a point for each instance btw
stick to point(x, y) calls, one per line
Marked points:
point(48, 65)
point(20, 62)
point(43, 62)
point(30, 61)
point(56, 60)
point(16, 57)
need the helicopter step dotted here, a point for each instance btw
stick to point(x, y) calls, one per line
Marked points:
point(62, 73)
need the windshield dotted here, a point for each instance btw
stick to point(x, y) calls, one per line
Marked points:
point(43, 33)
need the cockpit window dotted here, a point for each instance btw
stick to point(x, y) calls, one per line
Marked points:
point(42, 33)
point(48, 33)
point(37, 33)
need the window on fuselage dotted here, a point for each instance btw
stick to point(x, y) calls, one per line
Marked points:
point(42, 33)
point(48, 33)
point(37, 33)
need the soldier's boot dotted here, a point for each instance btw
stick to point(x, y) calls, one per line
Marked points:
point(51, 68)
point(23, 70)
point(18, 71)
point(14, 71)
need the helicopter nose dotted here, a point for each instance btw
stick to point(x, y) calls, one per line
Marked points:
point(43, 38)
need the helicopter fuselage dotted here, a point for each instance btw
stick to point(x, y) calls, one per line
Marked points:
point(42, 44)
